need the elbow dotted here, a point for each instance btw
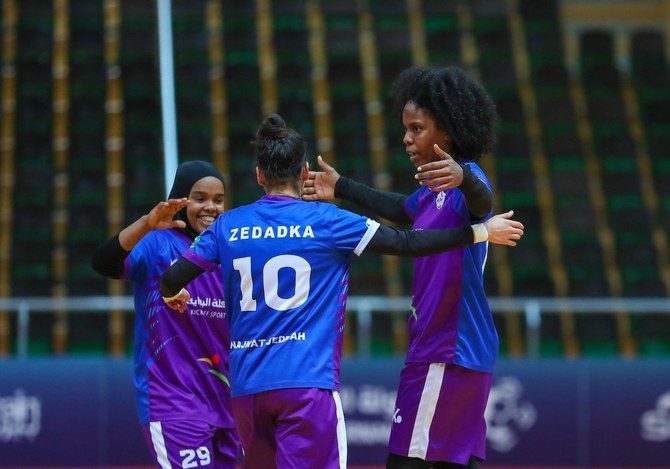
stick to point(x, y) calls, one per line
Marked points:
point(96, 265)
point(103, 268)
point(480, 214)
point(480, 208)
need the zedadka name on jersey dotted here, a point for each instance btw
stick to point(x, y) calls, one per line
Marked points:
point(281, 231)
point(252, 343)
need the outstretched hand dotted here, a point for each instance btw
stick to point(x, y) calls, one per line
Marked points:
point(320, 185)
point(160, 217)
point(503, 230)
point(442, 174)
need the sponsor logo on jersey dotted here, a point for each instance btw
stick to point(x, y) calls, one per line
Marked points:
point(254, 343)
point(213, 362)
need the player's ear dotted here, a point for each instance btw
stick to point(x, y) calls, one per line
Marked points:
point(259, 177)
point(304, 174)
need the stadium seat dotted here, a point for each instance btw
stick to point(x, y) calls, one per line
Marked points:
point(443, 38)
point(601, 153)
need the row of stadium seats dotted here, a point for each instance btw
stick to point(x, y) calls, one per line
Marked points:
point(582, 156)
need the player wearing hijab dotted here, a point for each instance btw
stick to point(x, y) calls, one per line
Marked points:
point(285, 265)
point(181, 376)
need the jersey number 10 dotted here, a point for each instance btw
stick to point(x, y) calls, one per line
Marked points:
point(270, 277)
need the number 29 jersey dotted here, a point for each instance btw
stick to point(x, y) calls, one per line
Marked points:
point(285, 267)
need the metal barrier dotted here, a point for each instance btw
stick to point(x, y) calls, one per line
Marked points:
point(364, 307)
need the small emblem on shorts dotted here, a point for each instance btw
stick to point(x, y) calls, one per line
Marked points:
point(439, 202)
point(397, 418)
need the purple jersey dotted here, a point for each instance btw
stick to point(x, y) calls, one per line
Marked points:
point(450, 321)
point(181, 360)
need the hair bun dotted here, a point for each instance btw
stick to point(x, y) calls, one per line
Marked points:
point(273, 127)
point(276, 120)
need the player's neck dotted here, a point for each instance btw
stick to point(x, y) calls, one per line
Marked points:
point(286, 194)
point(287, 191)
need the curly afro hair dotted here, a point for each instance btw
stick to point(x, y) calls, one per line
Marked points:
point(459, 105)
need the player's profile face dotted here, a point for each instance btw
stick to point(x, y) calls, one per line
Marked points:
point(420, 134)
point(205, 203)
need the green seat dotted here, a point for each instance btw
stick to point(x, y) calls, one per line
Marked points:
point(38, 346)
point(87, 348)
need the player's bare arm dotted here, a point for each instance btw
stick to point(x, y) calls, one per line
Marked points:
point(503, 230)
point(159, 218)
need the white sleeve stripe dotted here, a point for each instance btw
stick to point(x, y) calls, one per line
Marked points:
point(373, 226)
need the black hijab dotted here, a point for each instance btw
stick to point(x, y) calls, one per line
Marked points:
point(188, 173)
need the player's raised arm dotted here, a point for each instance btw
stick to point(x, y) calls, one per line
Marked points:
point(500, 229)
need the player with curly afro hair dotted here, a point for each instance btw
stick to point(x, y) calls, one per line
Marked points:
point(459, 105)
point(449, 122)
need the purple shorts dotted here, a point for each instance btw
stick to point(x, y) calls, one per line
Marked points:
point(290, 428)
point(439, 413)
point(177, 443)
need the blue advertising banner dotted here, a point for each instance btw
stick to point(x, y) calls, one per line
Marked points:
point(78, 412)
point(586, 413)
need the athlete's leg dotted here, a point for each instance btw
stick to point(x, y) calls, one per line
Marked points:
point(310, 429)
point(393, 461)
point(256, 429)
point(473, 463)
point(225, 447)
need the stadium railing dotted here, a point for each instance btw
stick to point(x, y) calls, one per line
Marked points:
point(365, 307)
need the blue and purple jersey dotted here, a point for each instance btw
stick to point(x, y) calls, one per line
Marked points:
point(181, 360)
point(285, 266)
point(450, 320)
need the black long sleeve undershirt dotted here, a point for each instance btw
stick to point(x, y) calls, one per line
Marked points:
point(177, 276)
point(390, 205)
point(417, 243)
point(108, 257)
point(386, 240)
point(478, 197)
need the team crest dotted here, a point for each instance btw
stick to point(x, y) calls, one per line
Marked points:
point(439, 202)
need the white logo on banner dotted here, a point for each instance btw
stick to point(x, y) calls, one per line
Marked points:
point(20, 417)
point(655, 423)
point(506, 413)
point(375, 408)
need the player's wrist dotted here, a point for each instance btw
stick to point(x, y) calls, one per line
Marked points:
point(180, 294)
point(480, 232)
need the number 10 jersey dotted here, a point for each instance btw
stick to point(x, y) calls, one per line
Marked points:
point(285, 267)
